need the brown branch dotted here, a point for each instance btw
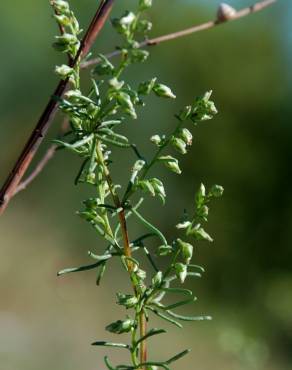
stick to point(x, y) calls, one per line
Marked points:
point(143, 345)
point(127, 247)
point(198, 28)
point(36, 138)
point(40, 166)
point(52, 149)
point(43, 162)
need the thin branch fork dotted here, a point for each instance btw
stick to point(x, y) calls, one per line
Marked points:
point(45, 120)
point(198, 28)
point(11, 185)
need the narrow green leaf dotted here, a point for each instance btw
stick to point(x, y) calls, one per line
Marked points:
point(77, 144)
point(110, 344)
point(114, 135)
point(77, 178)
point(108, 365)
point(194, 274)
point(177, 304)
point(113, 142)
point(109, 123)
point(197, 267)
point(178, 290)
point(178, 356)
point(104, 257)
point(151, 260)
point(81, 268)
point(153, 363)
point(150, 226)
point(189, 318)
point(100, 273)
point(151, 333)
point(141, 238)
point(164, 317)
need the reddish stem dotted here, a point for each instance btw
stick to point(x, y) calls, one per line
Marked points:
point(38, 134)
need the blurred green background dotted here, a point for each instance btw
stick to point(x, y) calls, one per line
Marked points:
point(49, 323)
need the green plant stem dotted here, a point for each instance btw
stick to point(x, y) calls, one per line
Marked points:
point(147, 168)
point(127, 248)
point(133, 348)
point(160, 149)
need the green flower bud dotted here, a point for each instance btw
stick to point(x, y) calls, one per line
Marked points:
point(64, 71)
point(181, 271)
point(186, 136)
point(67, 38)
point(146, 185)
point(128, 18)
point(186, 249)
point(115, 83)
point(139, 56)
point(138, 165)
point(156, 139)
point(200, 234)
point(141, 274)
point(157, 279)
point(145, 4)
point(119, 327)
point(75, 26)
point(179, 145)
point(60, 5)
point(183, 225)
point(90, 178)
point(62, 19)
point(216, 191)
point(73, 95)
point(163, 91)
point(158, 187)
point(204, 109)
point(171, 163)
point(203, 212)
point(122, 25)
point(127, 300)
point(126, 103)
point(66, 42)
point(200, 196)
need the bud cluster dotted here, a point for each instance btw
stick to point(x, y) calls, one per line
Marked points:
point(68, 41)
point(193, 228)
point(203, 109)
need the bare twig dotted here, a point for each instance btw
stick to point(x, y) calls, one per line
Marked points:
point(45, 120)
point(43, 162)
point(201, 27)
point(40, 166)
